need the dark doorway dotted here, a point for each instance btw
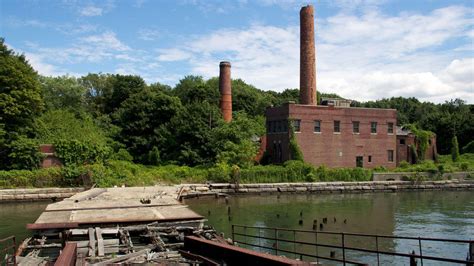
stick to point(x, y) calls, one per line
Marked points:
point(359, 161)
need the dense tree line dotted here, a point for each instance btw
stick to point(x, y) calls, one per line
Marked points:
point(122, 117)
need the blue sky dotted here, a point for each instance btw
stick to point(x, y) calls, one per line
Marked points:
point(366, 49)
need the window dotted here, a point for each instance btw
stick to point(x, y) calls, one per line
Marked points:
point(370, 158)
point(390, 128)
point(355, 126)
point(373, 127)
point(296, 125)
point(317, 125)
point(390, 155)
point(359, 161)
point(337, 126)
point(402, 141)
point(284, 125)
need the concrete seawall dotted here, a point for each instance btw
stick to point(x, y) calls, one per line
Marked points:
point(37, 194)
point(197, 190)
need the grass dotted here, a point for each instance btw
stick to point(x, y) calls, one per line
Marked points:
point(117, 173)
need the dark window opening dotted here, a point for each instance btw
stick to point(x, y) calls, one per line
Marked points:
point(370, 158)
point(390, 128)
point(317, 125)
point(337, 126)
point(373, 127)
point(390, 155)
point(297, 125)
point(355, 126)
point(359, 161)
point(402, 141)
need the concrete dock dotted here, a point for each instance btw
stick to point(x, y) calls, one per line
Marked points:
point(127, 205)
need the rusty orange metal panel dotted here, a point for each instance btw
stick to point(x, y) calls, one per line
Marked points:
point(68, 255)
point(43, 226)
point(233, 255)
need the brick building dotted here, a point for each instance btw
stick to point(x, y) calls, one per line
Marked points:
point(406, 139)
point(333, 134)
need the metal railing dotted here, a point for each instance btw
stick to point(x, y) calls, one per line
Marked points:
point(241, 236)
point(7, 244)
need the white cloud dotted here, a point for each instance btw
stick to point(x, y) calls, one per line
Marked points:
point(148, 34)
point(173, 54)
point(361, 57)
point(91, 11)
point(106, 40)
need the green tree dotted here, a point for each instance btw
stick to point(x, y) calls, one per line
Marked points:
point(237, 142)
point(144, 122)
point(196, 89)
point(193, 128)
point(20, 104)
point(454, 149)
point(63, 92)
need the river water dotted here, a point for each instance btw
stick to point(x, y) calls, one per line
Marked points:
point(437, 214)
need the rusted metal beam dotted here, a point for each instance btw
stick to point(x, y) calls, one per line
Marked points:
point(68, 255)
point(233, 255)
point(44, 226)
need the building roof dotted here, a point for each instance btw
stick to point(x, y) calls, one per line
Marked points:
point(401, 131)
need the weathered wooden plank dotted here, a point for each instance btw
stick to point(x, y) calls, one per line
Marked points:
point(122, 258)
point(105, 231)
point(91, 242)
point(100, 241)
point(107, 242)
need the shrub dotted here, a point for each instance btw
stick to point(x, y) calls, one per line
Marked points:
point(454, 149)
point(464, 166)
point(24, 153)
point(122, 155)
point(80, 152)
point(468, 148)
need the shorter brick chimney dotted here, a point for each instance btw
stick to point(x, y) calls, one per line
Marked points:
point(225, 90)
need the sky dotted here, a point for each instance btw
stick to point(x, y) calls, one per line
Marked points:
point(365, 49)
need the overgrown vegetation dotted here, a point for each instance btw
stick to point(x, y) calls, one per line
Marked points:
point(116, 129)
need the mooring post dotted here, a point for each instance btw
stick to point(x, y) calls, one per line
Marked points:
point(276, 243)
point(413, 259)
point(233, 236)
point(471, 253)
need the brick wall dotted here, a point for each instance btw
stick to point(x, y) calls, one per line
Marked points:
point(338, 149)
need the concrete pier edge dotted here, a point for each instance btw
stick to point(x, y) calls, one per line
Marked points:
point(212, 189)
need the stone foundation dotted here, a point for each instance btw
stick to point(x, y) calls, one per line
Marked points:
point(197, 190)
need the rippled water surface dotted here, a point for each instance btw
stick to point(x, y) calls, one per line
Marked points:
point(434, 214)
point(427, 214)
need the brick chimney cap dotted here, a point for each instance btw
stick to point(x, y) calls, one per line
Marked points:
point(307, 7)
point(225, 63)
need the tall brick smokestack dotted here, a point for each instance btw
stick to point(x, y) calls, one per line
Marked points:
point(307, 56)
point(225, 90)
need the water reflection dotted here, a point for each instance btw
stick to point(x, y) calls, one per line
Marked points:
point(426, 214)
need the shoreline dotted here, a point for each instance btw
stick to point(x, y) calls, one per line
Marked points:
point(187, 191)
point(223, 189)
